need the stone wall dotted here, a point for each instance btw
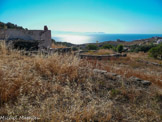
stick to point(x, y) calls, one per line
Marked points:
point(101, 57)
point(43, 36)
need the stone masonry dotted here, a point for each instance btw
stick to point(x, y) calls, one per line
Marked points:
point(42, 36)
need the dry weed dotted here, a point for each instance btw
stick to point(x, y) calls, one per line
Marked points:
point(57, 46)
point(64, 88)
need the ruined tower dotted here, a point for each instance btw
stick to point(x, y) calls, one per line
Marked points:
point(45, 28)
point(43, 37)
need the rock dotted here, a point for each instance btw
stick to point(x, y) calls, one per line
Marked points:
point(135, 79)
point(147, 62)
point(105, 72)
point(111, 74)
point(99, 71)
point(146, 83)
point(119, 76)
point(124, 55)
point(139, 82)
point(116, 55)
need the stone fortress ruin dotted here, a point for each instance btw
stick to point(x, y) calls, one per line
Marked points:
point(23, 38)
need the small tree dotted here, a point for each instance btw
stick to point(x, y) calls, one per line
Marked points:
point(119, 48)
point(92, 47)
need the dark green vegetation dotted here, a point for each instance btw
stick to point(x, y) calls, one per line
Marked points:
point(119, 48)
point(9, 26)
point(92, 47)
point(156, 52)
point(141, 48)
point(74, 48)
point(107, 46)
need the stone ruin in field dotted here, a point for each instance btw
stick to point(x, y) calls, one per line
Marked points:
point(27, 39)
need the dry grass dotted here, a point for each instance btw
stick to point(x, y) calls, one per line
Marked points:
point(143, 56)
point(100, 52)
point(57, 46)
point(64, 88)
point(130, 66)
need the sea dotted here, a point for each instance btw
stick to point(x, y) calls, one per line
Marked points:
point(93, 38)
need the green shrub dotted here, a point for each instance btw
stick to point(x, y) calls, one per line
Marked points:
point(107, 46)
point(156, 52)
point(9, 25)
point(74, 48)
point(141, 48)
point(114, 48)
point(92, 47)
point(119, 48)
point(144, 48)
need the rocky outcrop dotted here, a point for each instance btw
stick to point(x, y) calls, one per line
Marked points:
point(101, 57)
point(104, 72)
point(148, 62)
point(139, 82)
point(132, 80)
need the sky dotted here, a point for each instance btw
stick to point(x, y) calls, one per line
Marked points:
point(108, 16)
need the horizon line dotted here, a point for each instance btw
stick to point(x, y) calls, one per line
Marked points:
point(74, 32)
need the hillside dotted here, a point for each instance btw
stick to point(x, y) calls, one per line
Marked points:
point(9, 26)
point(66, 88)
point(125, 43)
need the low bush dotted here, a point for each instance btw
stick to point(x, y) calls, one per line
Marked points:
point(107, 46)
point(119, 48)
point(92, 47)
point(141, 48)
point(156, 52)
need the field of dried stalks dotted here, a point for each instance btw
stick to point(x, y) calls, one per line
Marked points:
point(135, 64)
point(100, 52)
point(65, 88)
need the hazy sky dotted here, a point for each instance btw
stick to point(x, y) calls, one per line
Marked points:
point(110, 16)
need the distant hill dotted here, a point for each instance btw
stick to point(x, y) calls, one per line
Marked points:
point(67, 44)
point(126, 43)
point(9, 26)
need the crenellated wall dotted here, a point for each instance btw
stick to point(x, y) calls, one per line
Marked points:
point(43, 36)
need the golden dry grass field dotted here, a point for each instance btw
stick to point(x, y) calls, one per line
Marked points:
point(65, 88)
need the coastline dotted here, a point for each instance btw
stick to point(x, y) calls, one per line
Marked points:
point(93, 38)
